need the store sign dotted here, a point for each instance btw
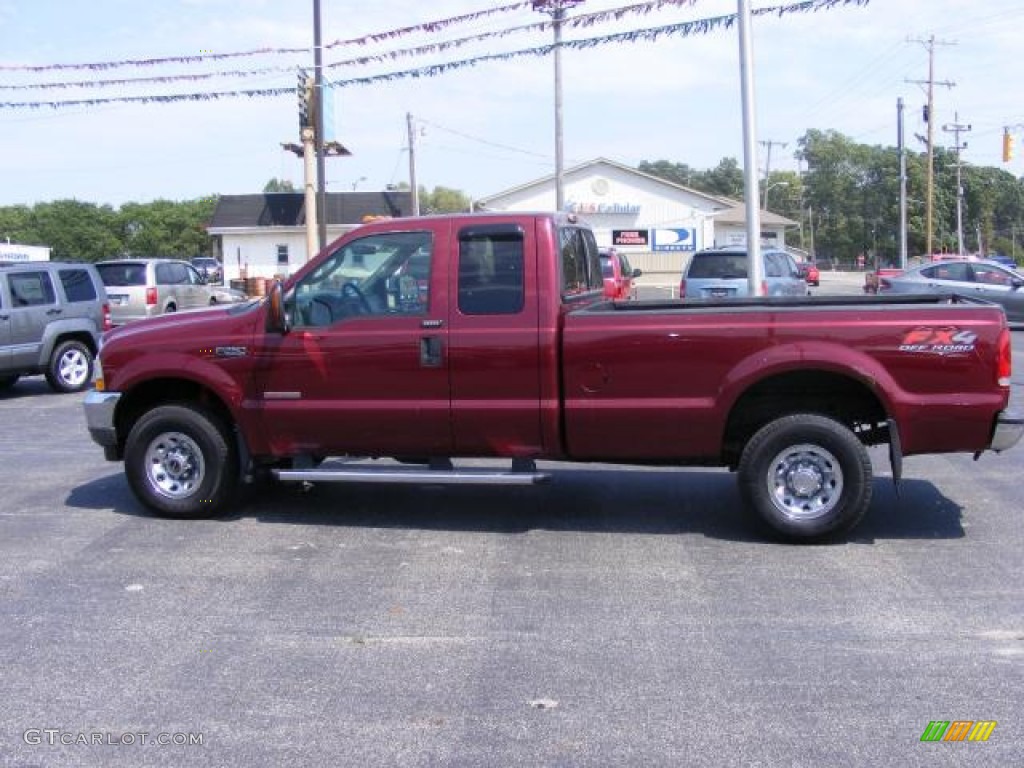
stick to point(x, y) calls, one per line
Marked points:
point(578, 206)
point(630, 237)
point(674, 239)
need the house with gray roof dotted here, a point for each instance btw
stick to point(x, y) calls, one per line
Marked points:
point(264, 235)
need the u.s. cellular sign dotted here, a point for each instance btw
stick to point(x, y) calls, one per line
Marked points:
point(958, 730)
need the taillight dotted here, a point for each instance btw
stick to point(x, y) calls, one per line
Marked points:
point(107, 325)
point(764, 287)
point(682, 288)
point(1003, 359)
point(151, 296)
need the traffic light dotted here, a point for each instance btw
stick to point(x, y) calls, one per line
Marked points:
point(1008, 142)
point(305, 93)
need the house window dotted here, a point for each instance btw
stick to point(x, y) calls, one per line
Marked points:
point(282, 255)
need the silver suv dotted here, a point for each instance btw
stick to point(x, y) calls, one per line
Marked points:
point(721, 273)
point(141, 288)
point(51, 317)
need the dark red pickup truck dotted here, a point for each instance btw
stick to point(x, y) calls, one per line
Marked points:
point(428, 339)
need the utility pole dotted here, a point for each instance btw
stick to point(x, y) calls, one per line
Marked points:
point(755, 267)
point(902, 144)
point(307, 134)
point(929, 116)
point(768, 144)
point(557, 10)
point(412, 165)
point(958, 128)
point(318, 96)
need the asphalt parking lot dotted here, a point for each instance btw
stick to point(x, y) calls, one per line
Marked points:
point(614, 617)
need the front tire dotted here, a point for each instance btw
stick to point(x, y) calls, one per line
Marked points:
point(807, 477)
point(70, 367)
point(182, 462)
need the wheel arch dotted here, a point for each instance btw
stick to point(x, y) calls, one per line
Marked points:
point(168, 390)
point(57, 333)
point(839, 396)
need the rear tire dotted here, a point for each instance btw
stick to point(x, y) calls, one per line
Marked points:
point(181, 461)
point(807, 477)
point(70, 367)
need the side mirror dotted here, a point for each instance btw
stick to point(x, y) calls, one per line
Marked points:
point(277, 314)
point(637, 272)
point(1016, 283)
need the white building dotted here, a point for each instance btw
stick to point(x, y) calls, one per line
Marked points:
point(264, 235)
point(655, 222)
point(16, 252)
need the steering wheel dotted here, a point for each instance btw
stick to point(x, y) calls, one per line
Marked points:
point(352, 290)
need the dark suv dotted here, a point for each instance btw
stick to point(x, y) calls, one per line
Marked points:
point(51, 318)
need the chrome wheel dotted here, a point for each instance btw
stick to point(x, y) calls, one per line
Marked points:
point(174, 465)
point(804, 482)
point(73, 368)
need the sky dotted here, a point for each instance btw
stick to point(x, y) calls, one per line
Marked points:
point(480, 129)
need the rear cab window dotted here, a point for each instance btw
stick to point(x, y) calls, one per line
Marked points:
point(491, 270)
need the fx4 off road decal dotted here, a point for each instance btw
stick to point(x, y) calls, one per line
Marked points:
point(948, 340)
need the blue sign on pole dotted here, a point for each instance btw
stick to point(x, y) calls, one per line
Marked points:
point(330, 134)
point(674, 239)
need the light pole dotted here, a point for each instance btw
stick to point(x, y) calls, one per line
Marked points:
point(557, 10)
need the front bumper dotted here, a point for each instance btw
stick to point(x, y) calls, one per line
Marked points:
point(99, 418)
point(1008, 431)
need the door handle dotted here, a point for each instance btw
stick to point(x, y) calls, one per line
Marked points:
point(431, 352)
point(52, 312)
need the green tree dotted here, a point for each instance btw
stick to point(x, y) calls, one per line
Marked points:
point(278, 185)
point(443, 200)
point(167, 228)
point(77, 231)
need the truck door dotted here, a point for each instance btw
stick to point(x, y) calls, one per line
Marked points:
point(364, 369)
point(494, 341)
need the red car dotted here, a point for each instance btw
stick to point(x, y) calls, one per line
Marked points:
point(809, 272)
point(617, 273)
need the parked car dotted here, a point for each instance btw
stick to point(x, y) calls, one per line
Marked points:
point(139, 288)
point(210, 268)
point(983, 279)
point(618, 274)
point(999, 258)
point(224, 295)
point(809, 272)
point(721, 273)
point(872, 279)
point(51, 317)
